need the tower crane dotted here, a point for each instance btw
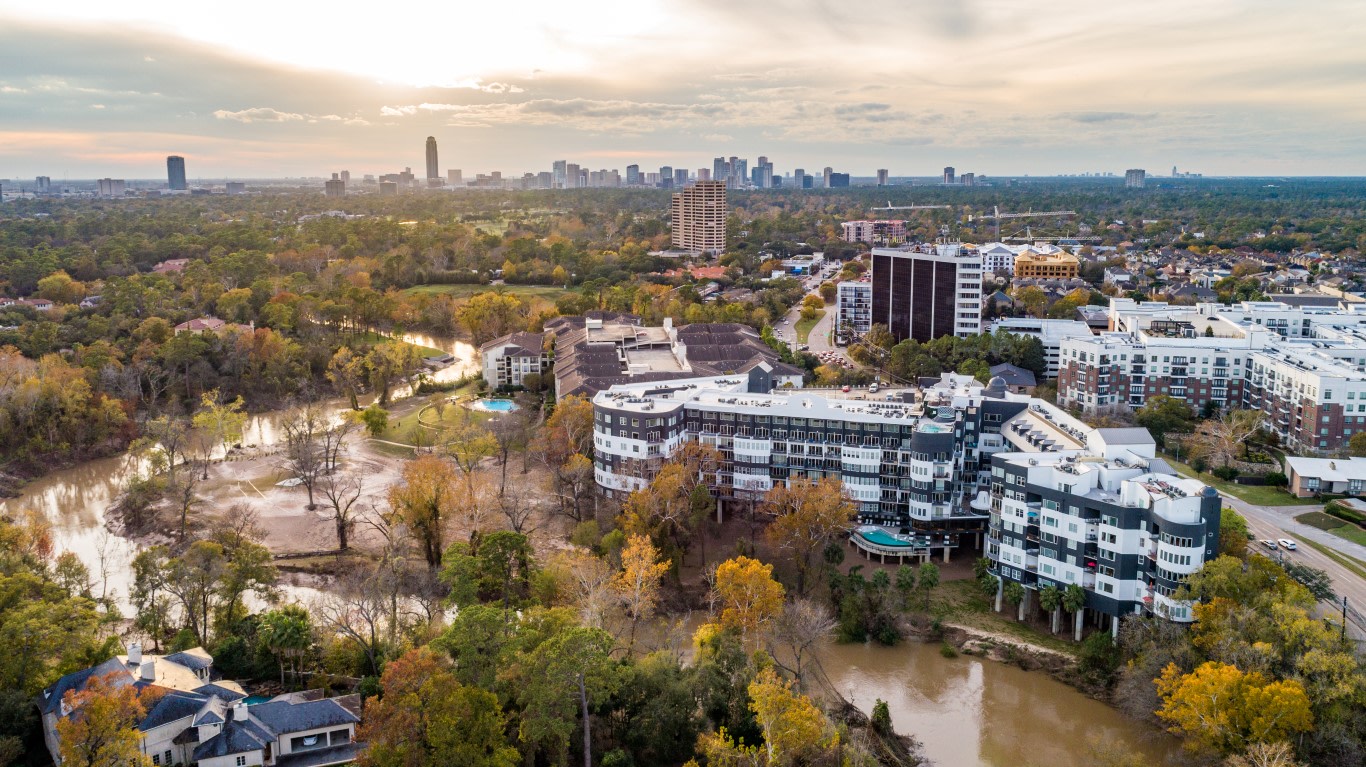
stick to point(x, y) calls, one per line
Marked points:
point(911, 207)
point(996, 215)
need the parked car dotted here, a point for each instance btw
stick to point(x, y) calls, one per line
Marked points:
point(1270, 544)
point(845, 388)
point(1286, 544)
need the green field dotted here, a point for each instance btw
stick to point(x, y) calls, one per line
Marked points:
point(1261, 495)
point(1340, 528)
point(371, 337)
point(804, 326)
point(546, 292)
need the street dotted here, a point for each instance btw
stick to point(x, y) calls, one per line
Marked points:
point(1279, 522)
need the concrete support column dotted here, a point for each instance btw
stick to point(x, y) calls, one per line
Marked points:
point(719, 520)
point(1114, 627)
point(1076, 628)
point(946, 555)
point(1024, 606)
point(1000, 591)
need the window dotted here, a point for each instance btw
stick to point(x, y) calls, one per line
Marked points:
point(241, 761)
point(167, 758)
point(156, 759)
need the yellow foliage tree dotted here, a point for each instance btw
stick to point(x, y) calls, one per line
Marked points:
point(807, 517)
point(424, 501)
point(102, 730)
point(638, 582)
point(793, 727)
point(748, 595)
point(1222, 708)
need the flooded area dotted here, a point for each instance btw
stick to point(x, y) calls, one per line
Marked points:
point(970, 712)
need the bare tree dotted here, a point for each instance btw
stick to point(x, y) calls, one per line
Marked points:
point(518, 509)
point(333, 442)
point(1222, 440)
point(804, 625)
point(343, 489)
point(356, 610)
point(304, 456)
point(186, 498)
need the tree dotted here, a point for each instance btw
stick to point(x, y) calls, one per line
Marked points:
point(376, 420)
point(171, 436)
point(60, 288)
point(102, 730)
point(346, 371)
point(638, 582)
point(343, 490)
point(1162, 415)
point(927, 579)
point(1233, 533)
point(589, 582)
point(807, 517)
point(792, 725)
point(804, 625)
point(221, 422)
point(570, 670)
point(748, 595)
point(1013, 592)
point(1357, 444)
point(304, 456)
point(1265, 755)
point(425, 717)
point(1222, 440)
point(193, 579)
point(1050, 599)
point(423, 502)
point(490, 315)
point(1227, 710)
point(1074, 601)
point(287, 634)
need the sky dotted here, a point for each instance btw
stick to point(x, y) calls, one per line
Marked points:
point(998, 87)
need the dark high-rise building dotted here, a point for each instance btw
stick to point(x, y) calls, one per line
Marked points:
point(175, 173)
point(633, 175)
point(838, 180)
point(334, 187)
point(948, 174)
point(433, 169)
point(882, 177)
point(926, 292)
point(666, 176)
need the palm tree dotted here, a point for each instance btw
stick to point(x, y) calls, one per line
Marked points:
point(1015, 594)
point(1074, 601)
point(1050, 599)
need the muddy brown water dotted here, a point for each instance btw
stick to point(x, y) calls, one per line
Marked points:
point(972, 712)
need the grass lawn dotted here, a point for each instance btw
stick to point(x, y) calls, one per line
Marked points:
point(1338, 527)
point(371, 337)
point(962, 602)
point(804, 326)
point(1353, 564)
point(1261, 495)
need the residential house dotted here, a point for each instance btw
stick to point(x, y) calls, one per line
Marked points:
point(508, 360)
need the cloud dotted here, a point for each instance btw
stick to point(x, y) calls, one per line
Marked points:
point(258, 115)
point(97, 106)
point(1104, 117)
point(12, 89)
point(397, 111)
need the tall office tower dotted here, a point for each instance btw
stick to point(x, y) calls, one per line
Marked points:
point(704, 174)
point(797, 176)
point(175, 173)
point(719, 171)
point(760, 180)
point(433, 168)
point(808, 181)
point(453, 177)
point(756, 177)
point(882, 177)
point(969, 179)
point(1134, 178)
point(560, 172)
point(680, 177)
point(44, 184)
point(335, 187)
point(545, 180)
point(666, 176)
point(632, 175)
point(571, 176)
point(346, 176)
point(740, 169)
point(111, 187)
point(948, 175)
point(1173, 171)
point(236, 187)
point(838, 180)
point(926, 292)
point(699, 218)
point(825, 176)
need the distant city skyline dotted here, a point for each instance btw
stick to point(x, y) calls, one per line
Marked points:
point(1002, 89)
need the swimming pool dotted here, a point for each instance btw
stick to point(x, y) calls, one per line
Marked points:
point(883, 538)
point(252, 700)
point(494, 405)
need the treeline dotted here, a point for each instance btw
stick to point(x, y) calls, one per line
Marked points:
point(974, 355)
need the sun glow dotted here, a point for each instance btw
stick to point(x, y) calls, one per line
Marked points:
point(406, 42)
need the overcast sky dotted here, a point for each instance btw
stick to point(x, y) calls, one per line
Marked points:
point(999, 87)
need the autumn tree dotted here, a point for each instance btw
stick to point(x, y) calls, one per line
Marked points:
point(588, 581)
point(1223, 440)
point(423, 501)
point(426, 717)
point(748, 596)
point(637, 585)
point(221, 422)
point(490, 315)
point(304, 456)
point(566, 447)
point(807, 517)
point(1225, 709)
point(346, 371)
point(794, 728)
point(103, 728)
point(803, 626)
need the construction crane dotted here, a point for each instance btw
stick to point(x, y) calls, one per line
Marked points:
point(911, 207)
point(996, 215)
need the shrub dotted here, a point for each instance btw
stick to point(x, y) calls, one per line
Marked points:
point(1277, 479)
point(882, 718)
point(1226, 473)
point(947, 650)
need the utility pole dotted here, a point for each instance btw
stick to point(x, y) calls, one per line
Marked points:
point(1344, 618)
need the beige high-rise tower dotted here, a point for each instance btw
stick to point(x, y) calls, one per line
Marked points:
point(699, 217)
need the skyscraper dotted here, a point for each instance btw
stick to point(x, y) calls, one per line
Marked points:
point(560, 170)
point(44, 184)
point(175, 173)
point(453, 177)
point(948, 174)
point(335, 187)
point(1134, 178)
point(699, 217)
point(346, 176)
point(633, 175)
point(797, 176)
point(666, 176)
point(837, 180)
point(882, 177)
point(680, 178)
point(825, 174)
point(704, 174)
point(927, 292)
point(433, 168)
point(571, 176)
point(719, 169)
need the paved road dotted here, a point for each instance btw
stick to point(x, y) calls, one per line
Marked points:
point(1278, 522)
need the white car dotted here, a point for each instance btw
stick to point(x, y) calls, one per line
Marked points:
point(1286, 544)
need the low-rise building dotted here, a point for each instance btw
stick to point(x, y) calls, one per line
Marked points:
point(507, 361)
point(1051, 333)
point(853, 310)
point(1031, 265)
point(1335, 476)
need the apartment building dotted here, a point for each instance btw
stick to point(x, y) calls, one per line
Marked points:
point(880, 232)
point(507, 361)
point(853, 310)
point(699, 218)
point(926, 291)
point(1108, 517)
point(1305, 367)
